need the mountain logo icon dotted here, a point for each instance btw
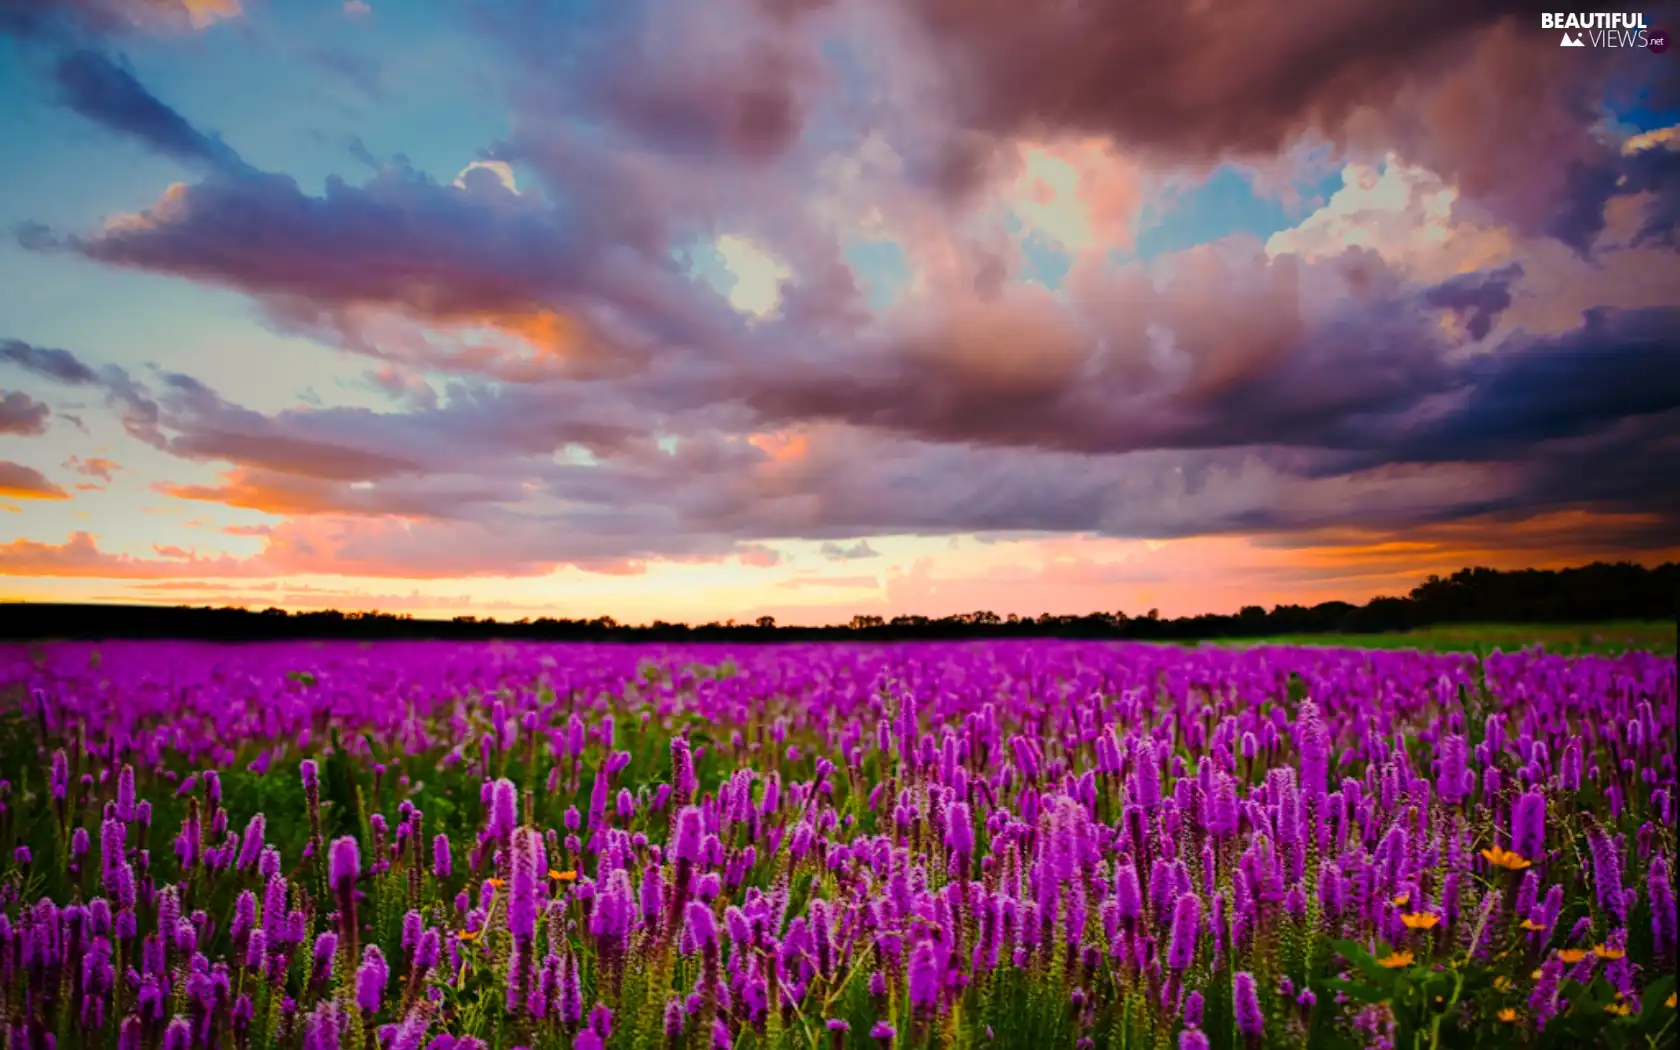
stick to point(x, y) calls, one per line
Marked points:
point(1571, 40)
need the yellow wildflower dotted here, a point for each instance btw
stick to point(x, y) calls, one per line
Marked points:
point(1531, 926)
point(1619, 1009)
point(1395, 961)
point(1604, 951)
point(1571, 956)
point(1508, 1015)
point(1501, 984)
point(562, 876)
point(1507, 859)
point(1402, 900)
point(1420, 920)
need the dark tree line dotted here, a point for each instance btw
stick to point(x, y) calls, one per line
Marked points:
point(1589, 594)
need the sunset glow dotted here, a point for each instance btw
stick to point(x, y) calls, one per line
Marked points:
point(820, 309)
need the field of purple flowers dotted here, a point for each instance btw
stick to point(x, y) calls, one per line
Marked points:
point(1018, 844)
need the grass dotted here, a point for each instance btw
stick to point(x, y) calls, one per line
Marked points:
point(1608, 639)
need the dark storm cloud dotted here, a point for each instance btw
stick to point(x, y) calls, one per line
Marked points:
point(106, 93)
point(1203, 80)
point(1477, 298)
point(1619, 365)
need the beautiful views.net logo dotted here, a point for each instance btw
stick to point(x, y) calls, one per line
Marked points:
point(1605, 29)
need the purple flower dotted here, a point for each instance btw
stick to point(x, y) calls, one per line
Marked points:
point(691, 827)
point(178, 1036)
point(701, 925)
point(1187, 917)
point(1194, 1006)
point(344, 864)
point(1660, 889)
point(325, 950)
point(1528, 825)
point(1128, 894)
point(250, 847)
point(682, 769)
point(924, 976)
point(959, 829)
point(1607, 875)
point(504, 809)
point(522, 892)
point(59, 777)
point(125, 794)
point(371, 978)
point(1251, 1022)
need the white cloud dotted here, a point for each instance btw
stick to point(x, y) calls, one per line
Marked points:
point(498, 168)
point(758, 275)
point(1405, 214)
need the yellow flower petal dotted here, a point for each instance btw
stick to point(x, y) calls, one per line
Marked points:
point(1395, 961)
point(1507, 859)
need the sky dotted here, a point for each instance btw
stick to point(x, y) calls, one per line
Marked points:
point(682, 311)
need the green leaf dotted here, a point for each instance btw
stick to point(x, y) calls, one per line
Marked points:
point(1358, 992)
point(1356, 954)
point(1654, 998)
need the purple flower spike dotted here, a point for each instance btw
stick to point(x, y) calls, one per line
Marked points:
point(691, 827)
point(1187, 917)
point(344, 864)
point(371, 978)
point(1528, 825)
point(1251, 1022)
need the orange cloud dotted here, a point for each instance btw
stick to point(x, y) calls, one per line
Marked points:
point(80, 556)
point(268, 492)
point(782, 445)
point(20, 482)
point(544, 330)
point(204, 13)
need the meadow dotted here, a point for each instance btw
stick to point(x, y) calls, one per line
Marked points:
point(1605, 639)
point(395, 846)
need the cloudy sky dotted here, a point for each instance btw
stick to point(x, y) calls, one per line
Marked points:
point(696, 310)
